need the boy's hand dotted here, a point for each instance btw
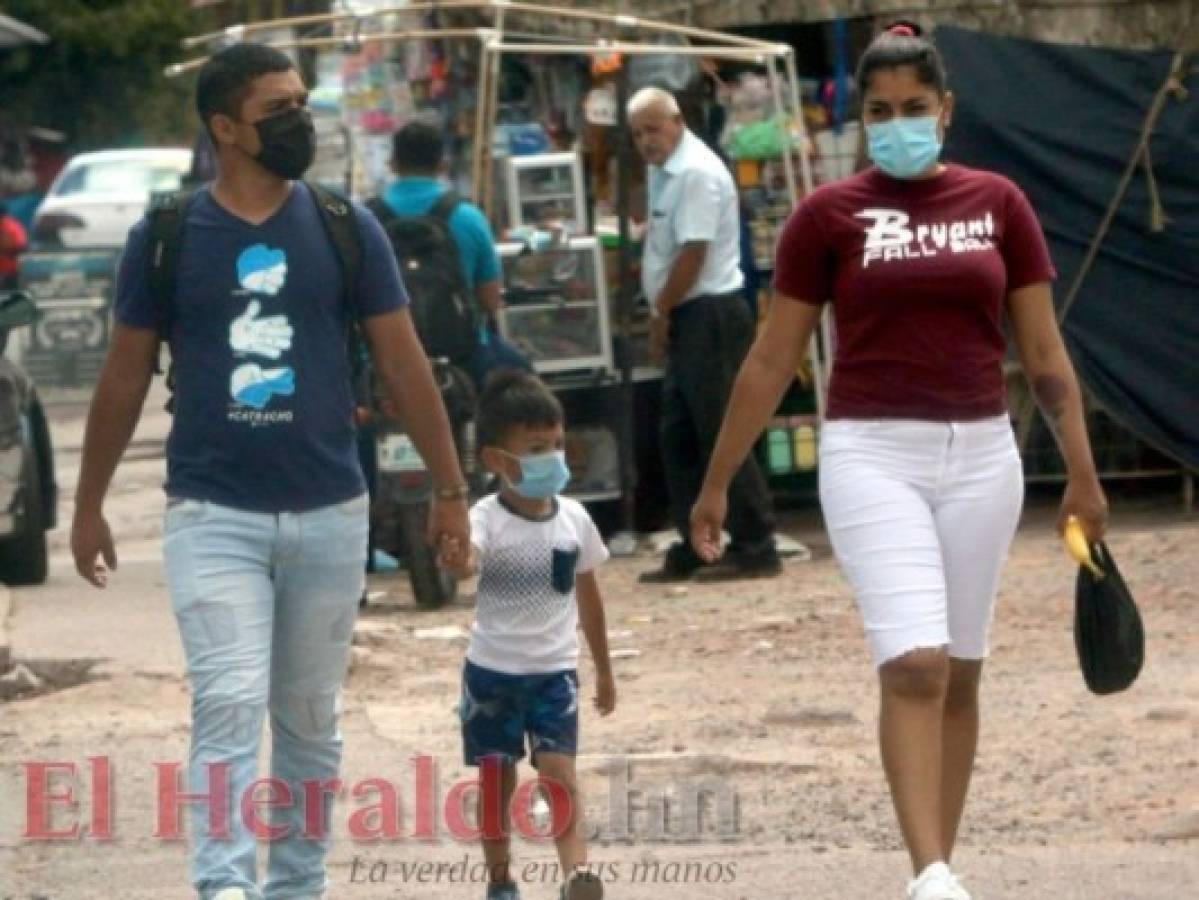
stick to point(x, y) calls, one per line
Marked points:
point(454, 558)
point(605, 694)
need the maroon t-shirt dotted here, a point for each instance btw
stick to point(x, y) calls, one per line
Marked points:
point(917, 272)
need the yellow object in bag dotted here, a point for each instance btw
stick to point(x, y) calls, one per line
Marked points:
point(1079, 547)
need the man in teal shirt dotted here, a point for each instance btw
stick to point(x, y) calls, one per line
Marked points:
point(419, 164)
point(418, 160)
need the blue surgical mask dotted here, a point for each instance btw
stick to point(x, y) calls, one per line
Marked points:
point(905, 147)
point(542, 475)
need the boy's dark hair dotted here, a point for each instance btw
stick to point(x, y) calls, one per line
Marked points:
point(225, 80)
point(417, 147)
point(902, 44)
point(512, 398)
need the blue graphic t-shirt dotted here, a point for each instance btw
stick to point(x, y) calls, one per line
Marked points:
point(263, 403)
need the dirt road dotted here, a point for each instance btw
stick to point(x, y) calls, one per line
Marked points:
point(746, 713)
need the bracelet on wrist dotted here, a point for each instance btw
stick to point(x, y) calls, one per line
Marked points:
point(459, 492)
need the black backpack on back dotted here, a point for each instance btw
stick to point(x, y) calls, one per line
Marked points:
point(442, 307)
point(167, 217)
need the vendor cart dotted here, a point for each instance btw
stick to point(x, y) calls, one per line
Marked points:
point(572, 301)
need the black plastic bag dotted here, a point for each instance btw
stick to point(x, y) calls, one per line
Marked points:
point(1108, 632)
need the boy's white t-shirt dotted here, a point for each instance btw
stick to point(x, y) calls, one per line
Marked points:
point(524, 622)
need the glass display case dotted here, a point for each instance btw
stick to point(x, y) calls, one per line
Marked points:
point(556, 305)
point(546, 191)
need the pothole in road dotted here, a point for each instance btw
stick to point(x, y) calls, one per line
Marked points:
point(27, 678)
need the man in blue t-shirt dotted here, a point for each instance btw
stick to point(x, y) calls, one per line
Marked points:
point(266, 522)
point(418, 160)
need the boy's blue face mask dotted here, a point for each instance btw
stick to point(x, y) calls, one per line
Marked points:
point(905, 147)
point(542, 475)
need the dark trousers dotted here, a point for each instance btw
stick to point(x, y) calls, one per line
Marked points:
point(709, 339)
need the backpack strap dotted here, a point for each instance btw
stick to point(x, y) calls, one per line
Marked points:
point(167, 218)
point(445, 206)
point(382, 211)
point(337, 215)
point(341, 227)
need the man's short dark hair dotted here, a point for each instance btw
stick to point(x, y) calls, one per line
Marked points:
point(512, 398)
point(224, 81)
point(417, 147)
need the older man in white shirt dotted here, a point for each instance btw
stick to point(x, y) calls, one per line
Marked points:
point(691, 273)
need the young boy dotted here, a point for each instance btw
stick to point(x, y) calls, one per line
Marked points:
point(536, 554)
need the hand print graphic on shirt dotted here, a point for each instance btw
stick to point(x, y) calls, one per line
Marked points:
point(255, 387)
point(262, 270)
point(268, 336)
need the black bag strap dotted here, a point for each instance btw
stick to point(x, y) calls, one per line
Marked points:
point(167, 223)
point(341, 227)
point(382, 210)
point(337, 216)
point(167, 219)
point(445, 206)
point(443, 209)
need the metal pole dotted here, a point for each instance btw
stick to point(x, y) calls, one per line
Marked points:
point(820, 348)
point(793, 195)
point(435, 33)
point(329, 19)
point(493, 108)
point(788, 163)
point(632, 22)
point(805, 162)
point(745, 53)
point(552, 12)
point(597, 49)
point(482, 139)
point(625, 308)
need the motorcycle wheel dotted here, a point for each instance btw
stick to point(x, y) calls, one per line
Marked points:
point(432, 586)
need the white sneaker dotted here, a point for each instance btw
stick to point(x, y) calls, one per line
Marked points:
point(230, 894)
point(936, 883)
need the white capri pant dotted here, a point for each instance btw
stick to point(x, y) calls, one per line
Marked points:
point(921, 516)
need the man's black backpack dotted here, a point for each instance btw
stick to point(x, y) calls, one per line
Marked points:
point(168, 214)
point(443, 310)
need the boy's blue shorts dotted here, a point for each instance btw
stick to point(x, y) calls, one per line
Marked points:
point(498, 710)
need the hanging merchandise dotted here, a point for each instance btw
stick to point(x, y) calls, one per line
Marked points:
point(671, 71)
point(750, 106)
point(599, 107)
point(760, 140)
point(606, 64)
point(439, 79)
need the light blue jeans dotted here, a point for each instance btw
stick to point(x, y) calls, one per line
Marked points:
point(266, 606)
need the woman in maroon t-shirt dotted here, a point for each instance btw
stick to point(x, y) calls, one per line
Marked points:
point(920, 478)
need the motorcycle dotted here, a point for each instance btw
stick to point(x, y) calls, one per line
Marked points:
point(403, 486)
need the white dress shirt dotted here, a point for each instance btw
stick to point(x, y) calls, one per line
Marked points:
point(692, 198)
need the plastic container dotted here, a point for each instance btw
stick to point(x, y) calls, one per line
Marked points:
point(806, 455)
point(778, 451)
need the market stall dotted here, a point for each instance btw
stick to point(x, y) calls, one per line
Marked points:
point(548, 160)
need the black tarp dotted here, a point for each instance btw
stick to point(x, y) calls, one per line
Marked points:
point(1063, 122)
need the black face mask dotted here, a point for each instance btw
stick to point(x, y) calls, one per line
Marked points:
point(288, 143)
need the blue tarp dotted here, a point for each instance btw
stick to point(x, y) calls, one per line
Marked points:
point(1063, 122)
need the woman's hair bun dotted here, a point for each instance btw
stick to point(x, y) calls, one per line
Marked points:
point(905, 28)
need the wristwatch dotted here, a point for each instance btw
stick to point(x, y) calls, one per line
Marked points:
point(460, 492)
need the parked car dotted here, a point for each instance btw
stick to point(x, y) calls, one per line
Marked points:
point(28, 491)
point(98, 196)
